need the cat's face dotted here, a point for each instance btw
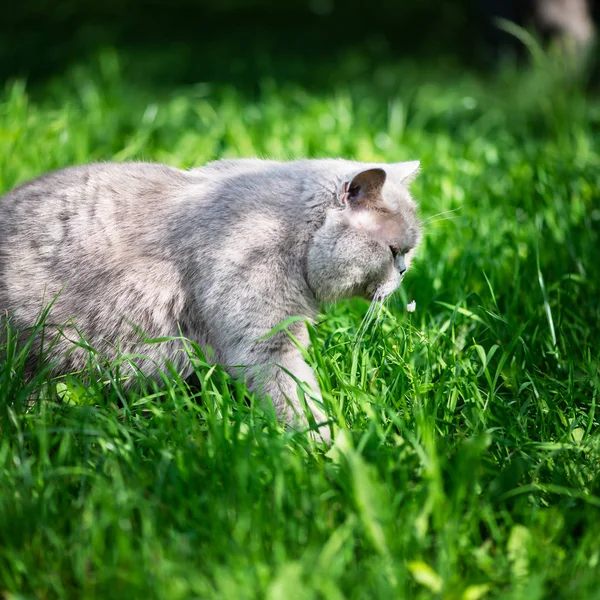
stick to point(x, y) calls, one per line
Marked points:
point(367, 241)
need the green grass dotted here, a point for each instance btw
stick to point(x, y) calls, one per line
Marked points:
point(467, 460)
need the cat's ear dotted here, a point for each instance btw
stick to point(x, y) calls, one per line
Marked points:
point(403, 172)
point(362, 189)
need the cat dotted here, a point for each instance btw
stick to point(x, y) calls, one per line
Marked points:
point(219, 254)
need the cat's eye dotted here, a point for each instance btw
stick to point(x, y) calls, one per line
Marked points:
point(399, 250)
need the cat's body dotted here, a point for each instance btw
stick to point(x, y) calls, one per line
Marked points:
point(221, 254)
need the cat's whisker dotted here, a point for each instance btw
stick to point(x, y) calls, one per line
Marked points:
point(451, 218)
point(364, 324)
point(381, 309)
point(440, 214)
point(372, 315)
point(366, 319)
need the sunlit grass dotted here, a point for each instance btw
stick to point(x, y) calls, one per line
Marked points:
point(467, 455)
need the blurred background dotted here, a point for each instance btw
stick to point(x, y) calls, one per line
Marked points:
point(308, 41)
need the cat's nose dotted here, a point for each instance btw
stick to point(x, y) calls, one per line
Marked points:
point(400, 264)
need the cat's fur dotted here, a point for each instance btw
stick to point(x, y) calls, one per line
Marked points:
point(221, 254)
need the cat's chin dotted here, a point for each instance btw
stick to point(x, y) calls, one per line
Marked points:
point(387, 288)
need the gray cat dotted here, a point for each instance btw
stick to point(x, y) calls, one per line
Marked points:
point(220, 254)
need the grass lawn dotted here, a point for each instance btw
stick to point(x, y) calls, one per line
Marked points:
point(467, 458)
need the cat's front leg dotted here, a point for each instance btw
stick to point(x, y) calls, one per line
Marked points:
point(290, 383)
point(278, 376)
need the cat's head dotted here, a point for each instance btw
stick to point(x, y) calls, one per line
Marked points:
point(368, 238)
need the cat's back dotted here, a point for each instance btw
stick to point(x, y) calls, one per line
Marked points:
point(79, 222)
point(80, 205)
point(78, 187)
